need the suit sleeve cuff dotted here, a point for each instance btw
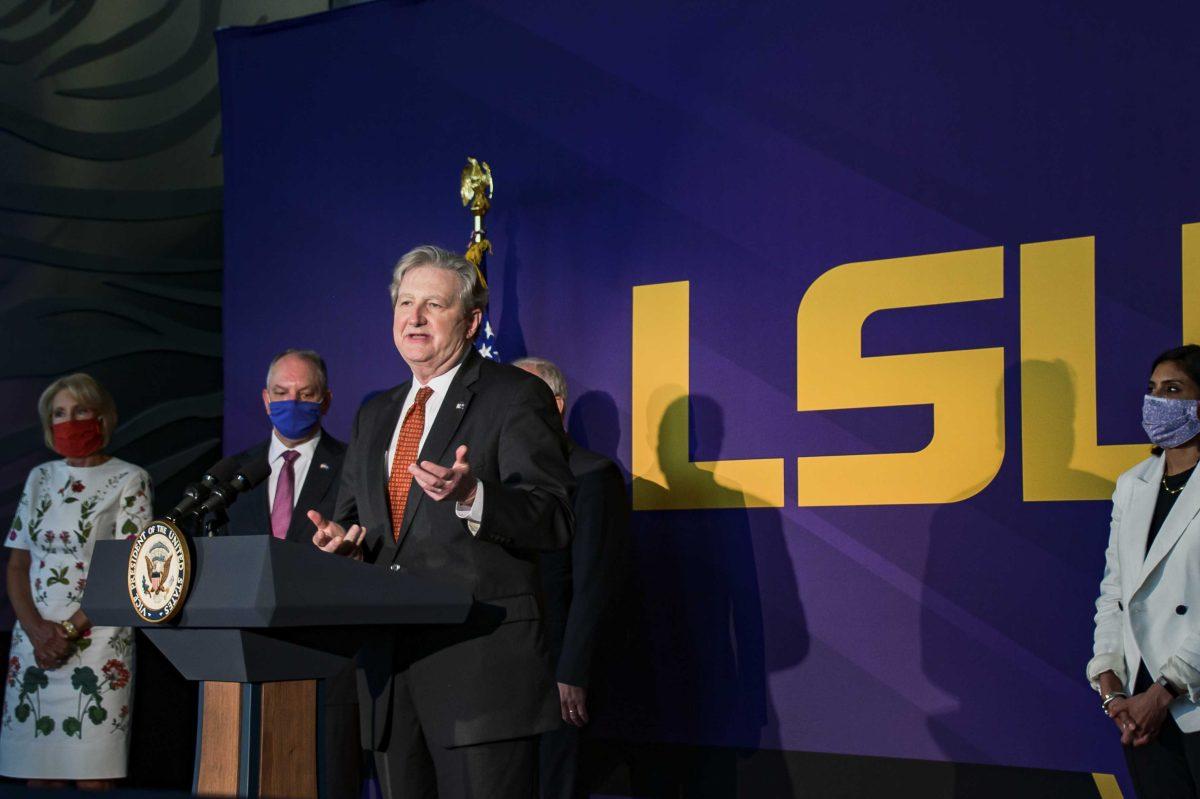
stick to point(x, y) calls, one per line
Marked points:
point(472, 514)
point(571, 677)
point(1107, 661)
point(1183, 677)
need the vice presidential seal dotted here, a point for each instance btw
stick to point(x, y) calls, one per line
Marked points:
point(160, 571)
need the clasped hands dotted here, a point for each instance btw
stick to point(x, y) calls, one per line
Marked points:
point(1140, 717)
point(440, 483)
point(51, 646)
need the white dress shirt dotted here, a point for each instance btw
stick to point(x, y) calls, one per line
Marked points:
point(299, 467)
point(473, 513)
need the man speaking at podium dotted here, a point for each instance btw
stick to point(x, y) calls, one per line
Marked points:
point(458, 475)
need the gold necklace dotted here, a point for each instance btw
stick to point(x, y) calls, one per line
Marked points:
point(1169, 490)
point(1183, 485)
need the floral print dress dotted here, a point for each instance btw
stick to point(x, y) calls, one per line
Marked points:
point(71, 722)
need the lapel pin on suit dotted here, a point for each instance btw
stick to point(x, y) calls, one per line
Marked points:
point(460, 406)
point(324, 466)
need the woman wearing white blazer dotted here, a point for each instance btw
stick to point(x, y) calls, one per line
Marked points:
point(1146, 662)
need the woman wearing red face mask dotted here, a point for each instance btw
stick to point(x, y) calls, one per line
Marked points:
point(67, 694)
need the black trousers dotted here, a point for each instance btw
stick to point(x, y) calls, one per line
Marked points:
point(558, 763)
point(1169, 766)
point(342, 754)
point(412, 769)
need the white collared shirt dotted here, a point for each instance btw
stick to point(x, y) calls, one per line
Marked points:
point(300, 467)
point(472, 513)
point(440, 385)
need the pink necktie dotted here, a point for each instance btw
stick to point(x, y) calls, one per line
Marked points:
point(281, 511)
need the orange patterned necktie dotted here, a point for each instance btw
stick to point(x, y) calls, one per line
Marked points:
point(400, 480)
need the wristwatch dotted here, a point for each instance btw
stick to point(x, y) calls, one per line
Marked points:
point(1169, 687)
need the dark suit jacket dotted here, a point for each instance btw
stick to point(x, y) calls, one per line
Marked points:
point(251, 514)
point(490, 678)
point(579, 581)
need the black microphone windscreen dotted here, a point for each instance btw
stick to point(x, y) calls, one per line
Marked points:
point(251, 474)
point(219, 473)
point(223, 470)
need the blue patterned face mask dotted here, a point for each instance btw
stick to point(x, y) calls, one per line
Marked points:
point(1170, 422)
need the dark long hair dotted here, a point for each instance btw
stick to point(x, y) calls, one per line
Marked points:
point(1188, 358)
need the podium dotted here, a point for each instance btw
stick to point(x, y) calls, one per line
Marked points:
point(263, 621)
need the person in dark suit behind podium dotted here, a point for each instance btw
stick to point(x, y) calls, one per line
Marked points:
point(305, 460)
point(306, 467)
point(459, 475)
point(579, 584)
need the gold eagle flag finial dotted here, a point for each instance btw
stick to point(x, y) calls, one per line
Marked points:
point(476, 188)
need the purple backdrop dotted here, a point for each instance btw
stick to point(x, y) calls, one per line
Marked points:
point(748, 151)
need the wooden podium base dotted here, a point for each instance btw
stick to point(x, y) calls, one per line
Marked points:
point(257, 740)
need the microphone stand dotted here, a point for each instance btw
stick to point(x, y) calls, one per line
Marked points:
point(214, 521)
point(210, 515)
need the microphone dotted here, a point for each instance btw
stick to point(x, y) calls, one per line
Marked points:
point(247, 477)
point(250, 475)
point(220, 472)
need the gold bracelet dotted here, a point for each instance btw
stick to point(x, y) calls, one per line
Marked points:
point(72, 630)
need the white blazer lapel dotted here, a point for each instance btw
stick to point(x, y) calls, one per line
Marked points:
point(1135, 524)
point(1177, 521)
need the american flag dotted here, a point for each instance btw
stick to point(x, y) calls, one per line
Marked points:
point(486, 343)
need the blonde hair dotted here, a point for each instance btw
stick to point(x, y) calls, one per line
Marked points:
point(87, 392)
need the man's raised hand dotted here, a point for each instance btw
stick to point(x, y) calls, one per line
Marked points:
point(456, 483)
point(331, 537)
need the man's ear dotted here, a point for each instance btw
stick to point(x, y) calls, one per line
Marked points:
point(562, 406)
point(325, 402)
point(473, 327)
point(266, 402)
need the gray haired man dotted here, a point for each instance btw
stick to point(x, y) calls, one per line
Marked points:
point(579, 583)
point(455, 475)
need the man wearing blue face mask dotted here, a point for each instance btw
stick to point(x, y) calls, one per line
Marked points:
point(306, 468)
point(306, 462)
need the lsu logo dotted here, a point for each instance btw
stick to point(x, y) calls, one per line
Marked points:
point(1061, 458)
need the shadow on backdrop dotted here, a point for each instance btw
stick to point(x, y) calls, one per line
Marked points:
point(691, 701)
point(979, 556)
point(595, 423)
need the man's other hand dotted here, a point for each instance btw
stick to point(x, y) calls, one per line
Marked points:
point(456, 483)
point(572, 701)
point(331, 537)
